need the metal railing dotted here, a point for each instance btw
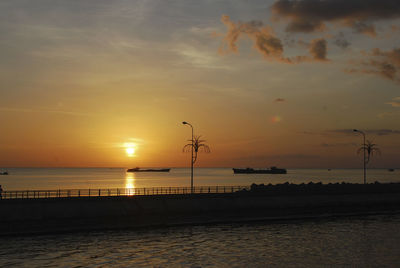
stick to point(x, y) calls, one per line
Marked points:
point(66, 193)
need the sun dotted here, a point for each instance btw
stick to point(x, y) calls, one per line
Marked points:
point(130, 149)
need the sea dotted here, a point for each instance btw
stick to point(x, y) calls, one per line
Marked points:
point(106, 178)
point(347, 241)
point(362, 241)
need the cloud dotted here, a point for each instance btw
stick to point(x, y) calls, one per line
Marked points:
point(340, 41)
point(383, 132)
point(395, 102)
point(312, 15)
point(329, 145)
point(379, 132)
point(383, 63)
point(318, 49)
point(264, 40)
point(342, 131)
point(199, 58)
point(266, 43)
point(364, 28)
point(280, 100)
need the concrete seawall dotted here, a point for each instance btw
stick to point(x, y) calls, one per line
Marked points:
point(95, 213)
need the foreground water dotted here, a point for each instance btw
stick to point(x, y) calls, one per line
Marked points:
point(95, 178)
point(371, 241)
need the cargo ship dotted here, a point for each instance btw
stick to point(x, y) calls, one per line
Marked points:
point(148, 170)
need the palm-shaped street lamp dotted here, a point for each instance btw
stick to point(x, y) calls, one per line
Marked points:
point(363, 148)
point(195, 145)
point(191, 161)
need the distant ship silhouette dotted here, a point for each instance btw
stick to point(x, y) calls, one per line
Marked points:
point(137, 169)
point(273, 170)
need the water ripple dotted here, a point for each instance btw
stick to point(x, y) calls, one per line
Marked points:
point(363, 241)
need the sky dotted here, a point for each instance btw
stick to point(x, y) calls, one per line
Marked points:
point(266, 83)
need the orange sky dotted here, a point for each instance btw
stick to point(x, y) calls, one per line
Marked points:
point(81, 79)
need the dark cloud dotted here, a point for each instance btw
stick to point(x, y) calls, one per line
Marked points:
point(383, 132)
point(383, 63)
point(340, 41)
point(364, 28)
point(332, 145)
point(318, 49)
point(305, 26)
point(280, 100)
point(379, 132)
point(387, 63)
point(312, 15)
point(342, 131)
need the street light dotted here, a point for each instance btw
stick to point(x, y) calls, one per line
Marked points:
point(191, 163)
point(359, 131)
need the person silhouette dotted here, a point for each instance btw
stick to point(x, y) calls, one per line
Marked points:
point(1, 192)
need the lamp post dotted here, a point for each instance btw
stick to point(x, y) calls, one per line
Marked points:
point(359, 131)
point(191, 162)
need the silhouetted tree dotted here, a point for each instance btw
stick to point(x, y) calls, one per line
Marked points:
point(198, 146)
point(370, 148)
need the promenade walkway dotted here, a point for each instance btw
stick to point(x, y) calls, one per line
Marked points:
point(69, 193)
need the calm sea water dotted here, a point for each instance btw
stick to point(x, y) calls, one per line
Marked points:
point(343, 242)
point(94, 178)
point(368, 241)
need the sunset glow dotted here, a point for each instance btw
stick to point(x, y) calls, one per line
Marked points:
point(262, 81)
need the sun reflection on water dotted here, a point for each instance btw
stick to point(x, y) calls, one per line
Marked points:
point(130, 183)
